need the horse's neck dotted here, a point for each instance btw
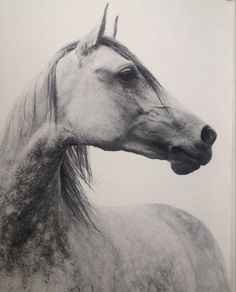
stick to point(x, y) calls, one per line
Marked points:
point(28, 131)
point(30, 191)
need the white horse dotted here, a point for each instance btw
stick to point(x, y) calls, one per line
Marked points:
point(96, 93)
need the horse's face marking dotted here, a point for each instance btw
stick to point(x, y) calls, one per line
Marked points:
point(105, 101)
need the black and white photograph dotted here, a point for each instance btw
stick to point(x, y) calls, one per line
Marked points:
point(117, 146)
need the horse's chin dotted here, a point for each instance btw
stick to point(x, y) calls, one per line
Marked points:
point(184, 162)
point(184, 167)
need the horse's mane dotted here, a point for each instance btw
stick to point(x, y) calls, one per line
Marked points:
point(75, 167)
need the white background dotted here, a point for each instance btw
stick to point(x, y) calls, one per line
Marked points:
point(188, 45)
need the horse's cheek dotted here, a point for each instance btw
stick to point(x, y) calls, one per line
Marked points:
point(97, 124)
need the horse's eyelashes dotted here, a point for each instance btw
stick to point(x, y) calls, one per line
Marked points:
point(127, 74)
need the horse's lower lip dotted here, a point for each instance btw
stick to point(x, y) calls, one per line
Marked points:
point(184, 166)
point(184, 162)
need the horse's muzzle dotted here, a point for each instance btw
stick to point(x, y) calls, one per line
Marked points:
point(186, 159)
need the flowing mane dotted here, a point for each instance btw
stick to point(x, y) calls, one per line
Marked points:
point(75, 168)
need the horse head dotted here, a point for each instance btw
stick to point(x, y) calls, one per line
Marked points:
point(108, 99)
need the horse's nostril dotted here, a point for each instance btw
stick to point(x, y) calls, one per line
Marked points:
point(208, 135)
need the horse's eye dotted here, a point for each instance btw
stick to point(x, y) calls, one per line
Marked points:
point(127, 74)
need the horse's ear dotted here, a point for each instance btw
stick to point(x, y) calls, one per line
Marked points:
point(115, 27)
point(92, 39)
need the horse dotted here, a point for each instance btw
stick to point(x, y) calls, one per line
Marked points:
point(95, 92)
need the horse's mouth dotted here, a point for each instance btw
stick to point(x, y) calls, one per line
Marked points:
point(183, 162)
